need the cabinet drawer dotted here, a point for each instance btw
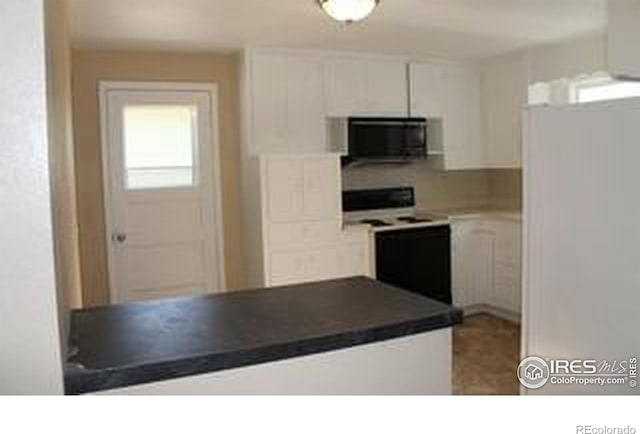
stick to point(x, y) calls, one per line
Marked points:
point(289, 236)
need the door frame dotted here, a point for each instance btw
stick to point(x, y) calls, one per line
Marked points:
point(212, 191)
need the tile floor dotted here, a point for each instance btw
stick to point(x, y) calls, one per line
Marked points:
point(486, 353)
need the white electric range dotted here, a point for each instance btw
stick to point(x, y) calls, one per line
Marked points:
point(387, 209)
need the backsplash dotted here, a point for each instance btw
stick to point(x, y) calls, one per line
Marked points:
point(434, 189)
point(440, 189)
point(506, 188)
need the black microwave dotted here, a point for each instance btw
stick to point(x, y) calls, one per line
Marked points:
point(385, 140)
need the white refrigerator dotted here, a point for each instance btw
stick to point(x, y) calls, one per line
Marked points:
point(581, 279)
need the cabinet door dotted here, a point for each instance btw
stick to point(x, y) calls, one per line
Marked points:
point(473, 264)
point(417, 260)
point(291, 236)
point(507, 287)
point(508, 243)
point(386, 93)
point(283, 184)
point(462, 122)
point(322, 198)
point(345, 86)
point(321, 264)
point(268, 76)
point(504, 89)
point(287, 268)
point(305, 111)
point(426, 84)
point(352, 260)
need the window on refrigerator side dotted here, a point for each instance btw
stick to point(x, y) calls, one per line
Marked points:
point(605, 88)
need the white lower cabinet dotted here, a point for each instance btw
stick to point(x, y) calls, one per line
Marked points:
point(486, 255)
point(347, 257)
point(301, 238)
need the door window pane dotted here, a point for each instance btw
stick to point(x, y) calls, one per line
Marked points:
point(159, 142)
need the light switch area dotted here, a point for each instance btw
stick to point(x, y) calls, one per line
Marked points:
point(159, 146)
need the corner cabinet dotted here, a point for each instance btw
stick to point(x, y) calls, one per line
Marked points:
point(300, 237)
point(356, 86)
point(504, 92)
point(450, 97)
point(487, 263)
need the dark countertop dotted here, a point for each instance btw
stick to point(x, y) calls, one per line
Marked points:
point(124, 345)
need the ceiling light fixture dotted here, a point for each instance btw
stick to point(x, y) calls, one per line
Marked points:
point(348, 11)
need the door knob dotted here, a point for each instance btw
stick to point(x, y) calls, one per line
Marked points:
point(119, 237)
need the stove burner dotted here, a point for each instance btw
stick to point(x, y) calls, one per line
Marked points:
point(375, 222)
point(411, 219)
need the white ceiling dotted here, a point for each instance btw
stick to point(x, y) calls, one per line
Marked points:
point(458, 29)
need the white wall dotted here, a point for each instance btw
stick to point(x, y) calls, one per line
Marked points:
point(29, 331)
point(566, 59)
point(412, 365)
point(569, 58)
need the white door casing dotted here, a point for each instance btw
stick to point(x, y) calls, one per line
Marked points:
point(167, 240)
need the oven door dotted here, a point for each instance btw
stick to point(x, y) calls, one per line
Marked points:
point(418, 260)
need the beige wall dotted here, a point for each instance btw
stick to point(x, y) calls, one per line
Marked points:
point(61, 153)
point(499, 188)
point(89, 67)
point(505, 186)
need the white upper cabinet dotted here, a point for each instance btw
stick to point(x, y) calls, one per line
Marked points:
point(268, 103)
point(623, 57)
point(287, 103)
point(504, 87)
point(450, 97)
point(462, 133)
point(345, 87)
point(366, 87)
point(306, 126)
point(387, 88)
point(426, 84)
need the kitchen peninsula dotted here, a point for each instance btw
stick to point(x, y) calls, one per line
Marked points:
point(345, 336)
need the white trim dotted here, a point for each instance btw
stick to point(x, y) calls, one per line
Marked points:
point(170, 86)
point(487, 309)
point(527, 320)
point(213, 187)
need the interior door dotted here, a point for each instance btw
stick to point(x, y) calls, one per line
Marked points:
point(163, 225)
